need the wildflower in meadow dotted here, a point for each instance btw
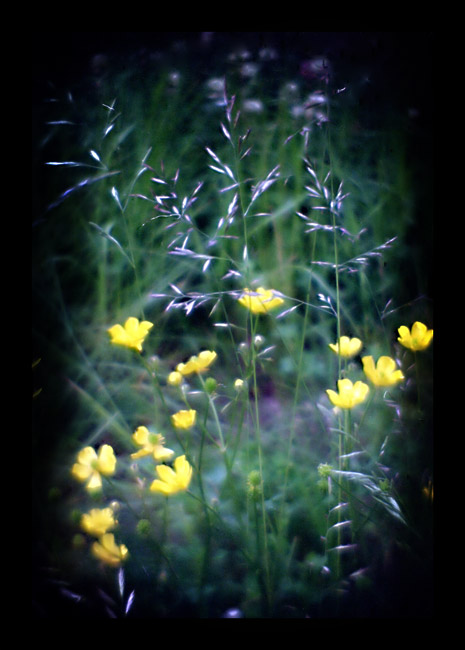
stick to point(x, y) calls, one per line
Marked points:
point(349, 394)
point(385, 373)
point(90, 466)
point(174, 378)
point(184, 419)
point(151, 443)
point(132, 335)
point(418, 338)
point(98, 521)
point(197, 363)
point(346, 347)
point(108, 551)
point(171, 480)
point(260, 301)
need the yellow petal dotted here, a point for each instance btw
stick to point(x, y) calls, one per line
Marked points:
point(361, 390)
point(81, 472)
point(404, 332)
point(163, 488)
point(334, 397)
point(167, 474)
point(141, 436)
point(162, 453)
point(95, 481)
point(87, 456)
point(106, 460)
point(108, 551)
point(184, 419)
point(386, 365)
point(418, 329)
point(174, 378)
point(118, 335)
point(141, 453)
point(183, 471)
point(369, 368)
point(98, 521)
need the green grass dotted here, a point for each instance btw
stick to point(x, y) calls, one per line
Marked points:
point(109, 249)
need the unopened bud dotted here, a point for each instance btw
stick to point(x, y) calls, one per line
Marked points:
point(258, 341)
point(254, 485)
point(210, 385)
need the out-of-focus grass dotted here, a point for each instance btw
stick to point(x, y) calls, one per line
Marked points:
point(103, 249)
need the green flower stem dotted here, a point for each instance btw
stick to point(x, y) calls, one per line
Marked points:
point(155, 383)
point(262, 569)
point(215, 415)
point(267, 581)
point(417, 373)
point(347, 443)
point(369, 401)
point(281, 519)
point(184, 447)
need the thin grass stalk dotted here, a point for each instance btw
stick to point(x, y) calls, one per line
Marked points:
point(267, 581)
point(341, 450)
point(253, 323)
point(208, 536)
point(296, 394)
point(129, 236)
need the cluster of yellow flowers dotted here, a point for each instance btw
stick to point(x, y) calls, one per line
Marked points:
point(92, 465)
point(97, 522)
point(383, 373)
point(195, 365)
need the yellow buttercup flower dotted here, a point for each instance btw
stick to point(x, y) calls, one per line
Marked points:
point(349, 394)
point(418, 338)
point(132, 335)
point(91, 466)
point(151, 443)
point(197, 363)
point(174, 378)
point(172, 480)
point(108, 551)
point(184, 419)
point(346, 347)
point(260, 301)
point(385, 373)
point(98, 521)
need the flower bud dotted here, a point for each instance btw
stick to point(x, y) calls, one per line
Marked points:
point(238, 384)
point(254, 485)
point(258, 341)
point(210, 385)
point(143, 527)
point(324, 470)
